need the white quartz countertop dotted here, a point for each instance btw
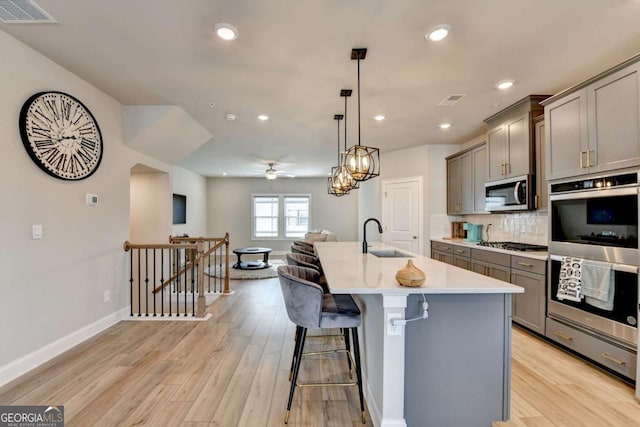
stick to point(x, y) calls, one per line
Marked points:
point(541, 255)
point(348, 270)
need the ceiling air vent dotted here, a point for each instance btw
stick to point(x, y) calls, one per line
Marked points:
point(23, 12)
point(452, 99)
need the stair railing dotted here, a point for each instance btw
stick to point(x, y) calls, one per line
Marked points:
point(182, 262)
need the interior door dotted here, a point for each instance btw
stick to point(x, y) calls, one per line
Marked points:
point(401, 213)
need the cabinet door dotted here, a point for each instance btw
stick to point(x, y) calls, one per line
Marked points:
point(499, 272)
point(454, 203)
point(566, 136)
point(442, 257)
point(496, 152)
point(542, 191)
point(480, 267)
point(518, 146)
point(614, 117)
point(466, 182)
point(462, 262)
point(479, 177)
point(529, 308)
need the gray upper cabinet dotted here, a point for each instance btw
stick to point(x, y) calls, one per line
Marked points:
point(594, 126)
point(541, 200)
point(454, 194)
point(510, 150)
point(466, 175)
point(479, 155)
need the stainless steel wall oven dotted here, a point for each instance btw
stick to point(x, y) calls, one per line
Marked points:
point(596, 219)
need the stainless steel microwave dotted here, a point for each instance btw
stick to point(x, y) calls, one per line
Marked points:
point(510, 194)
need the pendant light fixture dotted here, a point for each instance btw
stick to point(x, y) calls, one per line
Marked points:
point(333, 186)
point(340, 174)
point(363, 162)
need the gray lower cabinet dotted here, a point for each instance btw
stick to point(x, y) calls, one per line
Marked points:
point(462, 257)
point(442, 252)
point(496, 271)
point(529, 308)
point(442, 256)
point(492, 264)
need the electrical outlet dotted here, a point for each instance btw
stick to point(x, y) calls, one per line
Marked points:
point(107, 296)
point(393, 330)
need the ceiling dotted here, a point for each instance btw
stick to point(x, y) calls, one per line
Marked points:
point(291, 59)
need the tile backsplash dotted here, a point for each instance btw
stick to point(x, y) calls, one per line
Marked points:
point(525, 227)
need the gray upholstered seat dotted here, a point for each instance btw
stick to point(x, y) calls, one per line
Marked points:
point(309, 307)
point(301, 250)
point(308, 261)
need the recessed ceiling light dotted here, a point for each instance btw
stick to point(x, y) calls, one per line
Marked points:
point(506, 84)
point(224, 174)
point(230, 117)
point(378, 117)
point(438, 33)
point(444, 125)
point(263, 117)
point(226, 31)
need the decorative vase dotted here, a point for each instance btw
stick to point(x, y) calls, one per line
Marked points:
point(410, 275)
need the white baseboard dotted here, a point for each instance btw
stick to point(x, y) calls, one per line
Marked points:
point(36, 358)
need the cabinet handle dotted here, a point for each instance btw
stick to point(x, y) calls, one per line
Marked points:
point(524, 264)
point(581, 162)
point(589, 158)
point(459, 251)
point(507, 170)
point(563, 336)
point(537, 201)
point(613, 359)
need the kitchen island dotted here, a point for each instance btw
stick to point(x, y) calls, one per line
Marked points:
point(451, 369)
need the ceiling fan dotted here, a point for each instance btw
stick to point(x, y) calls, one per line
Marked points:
point(270, 173)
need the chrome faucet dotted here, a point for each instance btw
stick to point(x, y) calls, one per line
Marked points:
point(364, 233)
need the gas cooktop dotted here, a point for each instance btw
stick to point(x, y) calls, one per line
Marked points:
point(513, 246)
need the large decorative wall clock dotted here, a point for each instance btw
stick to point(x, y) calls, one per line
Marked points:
point(61, 135)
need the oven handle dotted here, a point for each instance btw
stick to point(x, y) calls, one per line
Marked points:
point(625, 268)
point(590, 194)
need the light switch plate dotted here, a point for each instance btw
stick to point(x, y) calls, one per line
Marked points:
point(36, 231)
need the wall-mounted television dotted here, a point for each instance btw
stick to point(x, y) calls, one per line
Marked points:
point(179, 209)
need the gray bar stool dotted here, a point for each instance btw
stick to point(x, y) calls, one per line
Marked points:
point(303, 260)
point(302, 250)
point(308, 307)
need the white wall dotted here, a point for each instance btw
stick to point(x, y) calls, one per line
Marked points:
point(229, 208)
point(53, 287)
point(427, 161)
point(194, 186)
point(150, 208)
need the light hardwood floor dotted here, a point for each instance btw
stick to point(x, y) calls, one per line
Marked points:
point(233, 371)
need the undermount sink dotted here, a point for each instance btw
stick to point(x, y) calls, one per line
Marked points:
point(390, 253)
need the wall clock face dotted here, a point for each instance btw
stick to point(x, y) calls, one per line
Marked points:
point(61, 135)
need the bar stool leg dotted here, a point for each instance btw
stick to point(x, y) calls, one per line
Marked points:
point(356, 350)
point(295, 350)
point(296, 369)
point(347, 347)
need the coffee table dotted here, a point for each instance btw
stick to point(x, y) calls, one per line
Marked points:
point(252, 265)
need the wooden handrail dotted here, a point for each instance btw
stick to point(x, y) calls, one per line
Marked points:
point(189, 265)
point(128, 246)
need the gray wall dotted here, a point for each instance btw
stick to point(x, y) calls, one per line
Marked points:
point(54, 287)
point(229, 208)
